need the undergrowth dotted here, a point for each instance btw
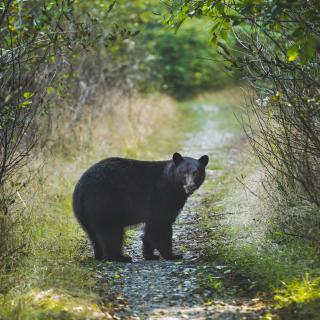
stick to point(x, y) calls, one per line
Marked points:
point(256, 259)
point(57, 277)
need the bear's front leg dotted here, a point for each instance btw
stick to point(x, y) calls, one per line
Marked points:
point(160, 235)
point(148, 249)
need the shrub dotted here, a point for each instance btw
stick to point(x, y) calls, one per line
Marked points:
point(277, 51)
point(186, 64)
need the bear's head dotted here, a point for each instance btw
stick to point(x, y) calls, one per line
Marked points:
point(189, 173)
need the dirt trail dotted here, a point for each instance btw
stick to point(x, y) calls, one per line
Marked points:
point(169, 290)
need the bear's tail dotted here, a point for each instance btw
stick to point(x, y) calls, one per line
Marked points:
point(78, 209)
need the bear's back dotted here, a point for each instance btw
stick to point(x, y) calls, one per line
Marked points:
point(123, 172)
point(121, 185)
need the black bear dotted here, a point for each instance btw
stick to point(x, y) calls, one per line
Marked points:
point(116, 192)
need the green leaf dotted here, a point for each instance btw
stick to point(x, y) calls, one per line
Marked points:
point(28, 95)
point(220, 8)
point(277, 96)
point(50, 90)
point(24, 104)
point(292, 53)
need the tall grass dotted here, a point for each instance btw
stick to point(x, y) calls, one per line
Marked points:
point(55, 275)
point(246, 235)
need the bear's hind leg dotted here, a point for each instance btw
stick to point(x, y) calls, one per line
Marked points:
point(111, 240)
point(97, 251)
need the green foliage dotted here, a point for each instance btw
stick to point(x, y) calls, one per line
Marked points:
point(261, 263)
point(298, 292)
point(265, 262)
point(299, 299)
point(44, 52)
point(181, 64)
point(39, 44)
point(184, 62)
point(279, 48)
point(56, 278)
point(269, 17)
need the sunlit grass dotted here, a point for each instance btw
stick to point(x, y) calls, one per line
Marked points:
point(257, 260)
point(58, 277)
point(299, 299)
point(260, 266)
point(54, 304)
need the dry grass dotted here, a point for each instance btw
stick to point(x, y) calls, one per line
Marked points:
point(119, 126)
point(233, 97)
point(244, 223)
point(56, 255)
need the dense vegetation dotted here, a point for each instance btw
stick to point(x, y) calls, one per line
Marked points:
point(81, 79)
point(75, 79)
point(277, 52)
point(60, 59)
point(281, 63)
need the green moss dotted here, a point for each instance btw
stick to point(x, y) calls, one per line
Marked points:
point(129, 235)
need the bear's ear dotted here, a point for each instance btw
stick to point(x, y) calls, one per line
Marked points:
point(177, 158)
point(204, 160)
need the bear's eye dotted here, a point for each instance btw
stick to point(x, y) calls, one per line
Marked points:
point(194, 173)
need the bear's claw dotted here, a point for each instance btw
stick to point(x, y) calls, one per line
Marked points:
point(152, 257)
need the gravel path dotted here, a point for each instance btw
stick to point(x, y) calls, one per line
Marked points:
point(169, 290)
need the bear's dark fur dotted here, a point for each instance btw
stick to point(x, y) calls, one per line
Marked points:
point(116, 192)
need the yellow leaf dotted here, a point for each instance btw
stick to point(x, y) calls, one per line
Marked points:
point(292, 54)
point(28, 94)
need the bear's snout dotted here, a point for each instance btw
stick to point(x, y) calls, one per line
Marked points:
point(189, 189)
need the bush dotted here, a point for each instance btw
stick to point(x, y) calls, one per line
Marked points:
point(39, 62)
point(278, 53)
point(186, 64)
